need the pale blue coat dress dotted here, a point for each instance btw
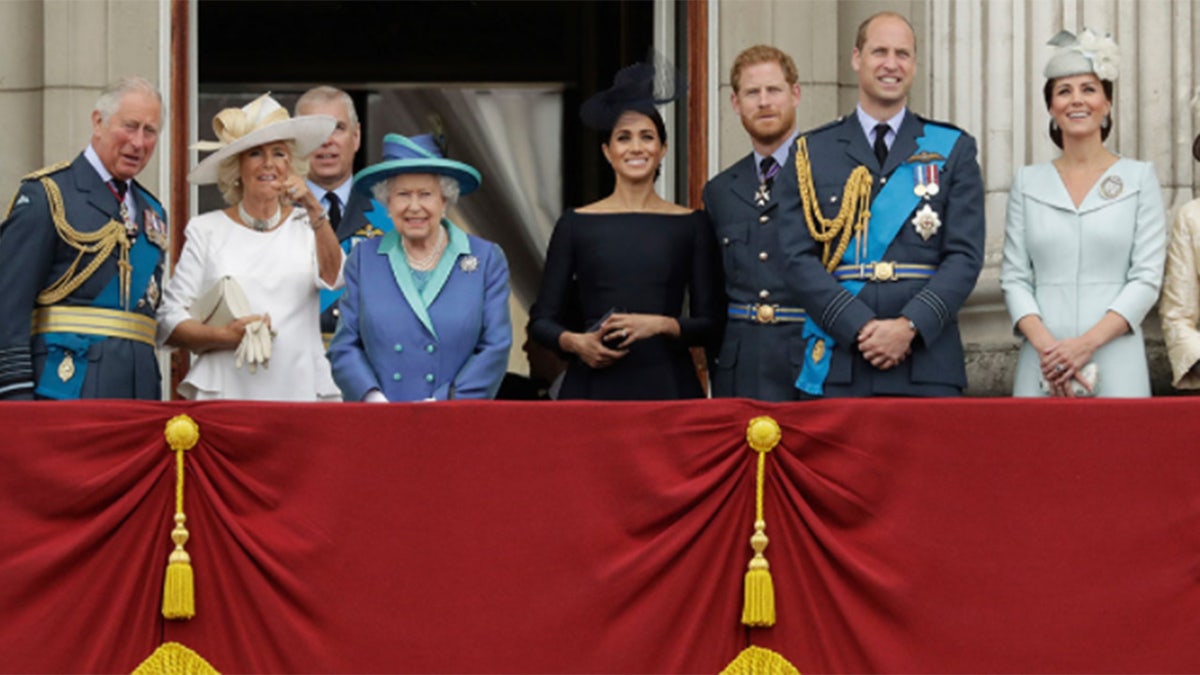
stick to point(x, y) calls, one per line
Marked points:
point(1071, 265)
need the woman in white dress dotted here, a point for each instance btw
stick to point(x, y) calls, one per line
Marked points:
point(276, 243)
point(1084, 241)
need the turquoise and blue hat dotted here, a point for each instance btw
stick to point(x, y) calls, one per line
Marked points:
point(416, 154)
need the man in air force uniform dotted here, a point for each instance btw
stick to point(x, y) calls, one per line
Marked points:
point(889, 237)
point(80, 263)
point(763, 346)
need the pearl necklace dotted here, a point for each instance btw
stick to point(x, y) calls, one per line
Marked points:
point(429, 260)
point(258, 224)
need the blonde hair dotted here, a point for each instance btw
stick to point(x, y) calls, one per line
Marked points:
point(229, 173)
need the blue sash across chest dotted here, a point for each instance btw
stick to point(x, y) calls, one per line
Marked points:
point(890, 210)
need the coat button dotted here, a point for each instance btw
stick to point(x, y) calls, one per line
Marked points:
point(396, 377)
point(764, 294)
point(883, 180)
point(429, 348)
point(763, 218)
point(429, 377)
point(725, 241)
point(336, 312)
point(399, 347)
point(762, 255)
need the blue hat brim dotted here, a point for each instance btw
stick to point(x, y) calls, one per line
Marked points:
point(467, 176)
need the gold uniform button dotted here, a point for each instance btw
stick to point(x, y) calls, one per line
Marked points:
point(764, 294)
point(883, 180)
point(762, 255)
point(725, 241)
point(763, 218)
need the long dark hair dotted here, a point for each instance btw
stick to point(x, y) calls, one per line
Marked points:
point(1105, 127)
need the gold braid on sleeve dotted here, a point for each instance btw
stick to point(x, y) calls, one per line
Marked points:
point(851, 219)
point(100, 243)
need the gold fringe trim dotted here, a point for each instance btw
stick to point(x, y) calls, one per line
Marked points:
point(172, 658)
point(179, 597)
point(759, 661)
point(853, 217)
point(758, 608)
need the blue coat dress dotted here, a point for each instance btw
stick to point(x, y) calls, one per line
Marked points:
point(451, 341)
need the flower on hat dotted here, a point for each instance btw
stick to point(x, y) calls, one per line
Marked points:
point(1099, 50)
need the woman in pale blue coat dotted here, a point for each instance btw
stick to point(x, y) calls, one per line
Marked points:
point(1084, 242)
point(425, 312)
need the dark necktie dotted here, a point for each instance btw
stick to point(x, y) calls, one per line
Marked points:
point(768, 167)
point(881, 148)
point(121, 187)
point(335, 210)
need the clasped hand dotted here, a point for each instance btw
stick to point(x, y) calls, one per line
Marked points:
point(885, 343)
point(1061, 363)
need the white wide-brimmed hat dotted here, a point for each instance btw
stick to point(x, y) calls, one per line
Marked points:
point(258, 122)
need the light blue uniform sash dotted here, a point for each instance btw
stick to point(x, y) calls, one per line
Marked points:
point(889, 211)
point(144, 256)
point(379, 219)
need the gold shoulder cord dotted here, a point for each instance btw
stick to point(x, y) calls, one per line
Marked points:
point(44, 171)
point(851, 219)
point(101, 243)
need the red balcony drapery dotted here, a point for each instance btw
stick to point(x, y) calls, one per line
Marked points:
point(914, 536)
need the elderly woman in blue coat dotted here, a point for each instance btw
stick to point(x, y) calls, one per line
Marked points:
point(425, 312)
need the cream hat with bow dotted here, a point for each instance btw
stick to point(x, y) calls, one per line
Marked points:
point(258, 122)
point(1088, 52)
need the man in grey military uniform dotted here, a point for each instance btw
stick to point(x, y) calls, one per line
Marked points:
point(330, 178)
point(886, 242)
point(81, 250)
point(763, 348)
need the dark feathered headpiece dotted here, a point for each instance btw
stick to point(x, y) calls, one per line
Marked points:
point(638, 87)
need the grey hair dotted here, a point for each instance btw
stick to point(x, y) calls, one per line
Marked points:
point(229, 174)
point(110, 98)
point(450, 190)
point(326, 94)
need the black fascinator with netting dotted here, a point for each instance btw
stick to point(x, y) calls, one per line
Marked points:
point(639, 87)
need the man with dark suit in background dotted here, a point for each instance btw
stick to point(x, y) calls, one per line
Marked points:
point(81, 252)
point(886, 241)
point(330, 178)
point(762, 348)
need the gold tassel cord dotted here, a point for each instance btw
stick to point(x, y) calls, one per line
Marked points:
point(853, 217)
point(179, 597)
point(758, 608)
point(99, 243)
point(172, 658)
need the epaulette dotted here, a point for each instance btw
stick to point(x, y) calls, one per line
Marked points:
point(46, 171)
point(823, 127)
point(939, 123)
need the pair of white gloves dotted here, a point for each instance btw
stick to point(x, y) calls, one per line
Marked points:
point(255, 347)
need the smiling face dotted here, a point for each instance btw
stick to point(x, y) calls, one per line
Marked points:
point(885, 63)
point(766, 102)
point(634, 149)
point(1079, 104)
point(263, 169)
point(126, 140)
point(331, 164)
point(415, 204)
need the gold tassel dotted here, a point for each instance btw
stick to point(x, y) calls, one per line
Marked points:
point(758, 608)
point(179, 596)
point(760, 661)
point(172, 658)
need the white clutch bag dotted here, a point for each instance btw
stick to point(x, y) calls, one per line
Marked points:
point(1090, 373)
point(223, 302)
